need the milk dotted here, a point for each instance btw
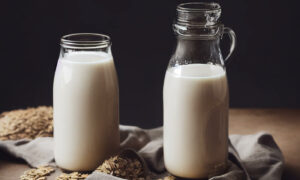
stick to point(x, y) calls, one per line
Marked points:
point(86, 110)
point(195, 120)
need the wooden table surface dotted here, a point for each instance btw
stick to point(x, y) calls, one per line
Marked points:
point(283, 124)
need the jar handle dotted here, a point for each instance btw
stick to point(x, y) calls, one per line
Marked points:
point(232, 38)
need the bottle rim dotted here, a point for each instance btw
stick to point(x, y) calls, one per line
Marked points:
point(199, 7)
point(85, 41)
point(198, 13)
point(198, 20)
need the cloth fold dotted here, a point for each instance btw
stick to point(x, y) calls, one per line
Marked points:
point(251, 157)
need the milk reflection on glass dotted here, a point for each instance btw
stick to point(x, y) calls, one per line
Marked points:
point(195, 94)
point(86, 104)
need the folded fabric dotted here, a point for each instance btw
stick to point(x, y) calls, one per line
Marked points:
point(255, 157)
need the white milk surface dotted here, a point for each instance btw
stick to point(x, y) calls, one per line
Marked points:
point(195, 120)
point(86, 110)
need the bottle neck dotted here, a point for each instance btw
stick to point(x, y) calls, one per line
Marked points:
point(197, 51)
point(85, 42)
point(198, 32)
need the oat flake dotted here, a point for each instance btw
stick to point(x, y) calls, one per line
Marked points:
point(26, 123)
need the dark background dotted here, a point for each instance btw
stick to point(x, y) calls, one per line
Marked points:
point(264, 71)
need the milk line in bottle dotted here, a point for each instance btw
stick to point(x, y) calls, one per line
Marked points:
point(86, 103)
point(195, 95)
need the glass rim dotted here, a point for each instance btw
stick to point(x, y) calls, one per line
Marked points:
point(198, 7)
point(85, 40)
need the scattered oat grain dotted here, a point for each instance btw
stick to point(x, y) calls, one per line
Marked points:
point(26, 123)
point(72, 176)
point(39, 173)
point(122, 167)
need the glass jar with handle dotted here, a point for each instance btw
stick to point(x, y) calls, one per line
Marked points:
point(195, 94)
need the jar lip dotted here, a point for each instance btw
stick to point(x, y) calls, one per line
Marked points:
point(199, 32)
point(85, 40)
point(199, 7)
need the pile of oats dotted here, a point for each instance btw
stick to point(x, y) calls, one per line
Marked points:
point(26, 123)
point(122, 167)
point(39, 173)
point(72, 176)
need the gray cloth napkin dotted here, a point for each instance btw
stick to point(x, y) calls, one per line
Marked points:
point(255, 157)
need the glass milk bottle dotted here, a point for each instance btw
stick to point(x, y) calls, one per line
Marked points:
point(195, 94)
point(85, 102)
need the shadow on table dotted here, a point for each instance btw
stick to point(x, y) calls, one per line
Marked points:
point(290, 173)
